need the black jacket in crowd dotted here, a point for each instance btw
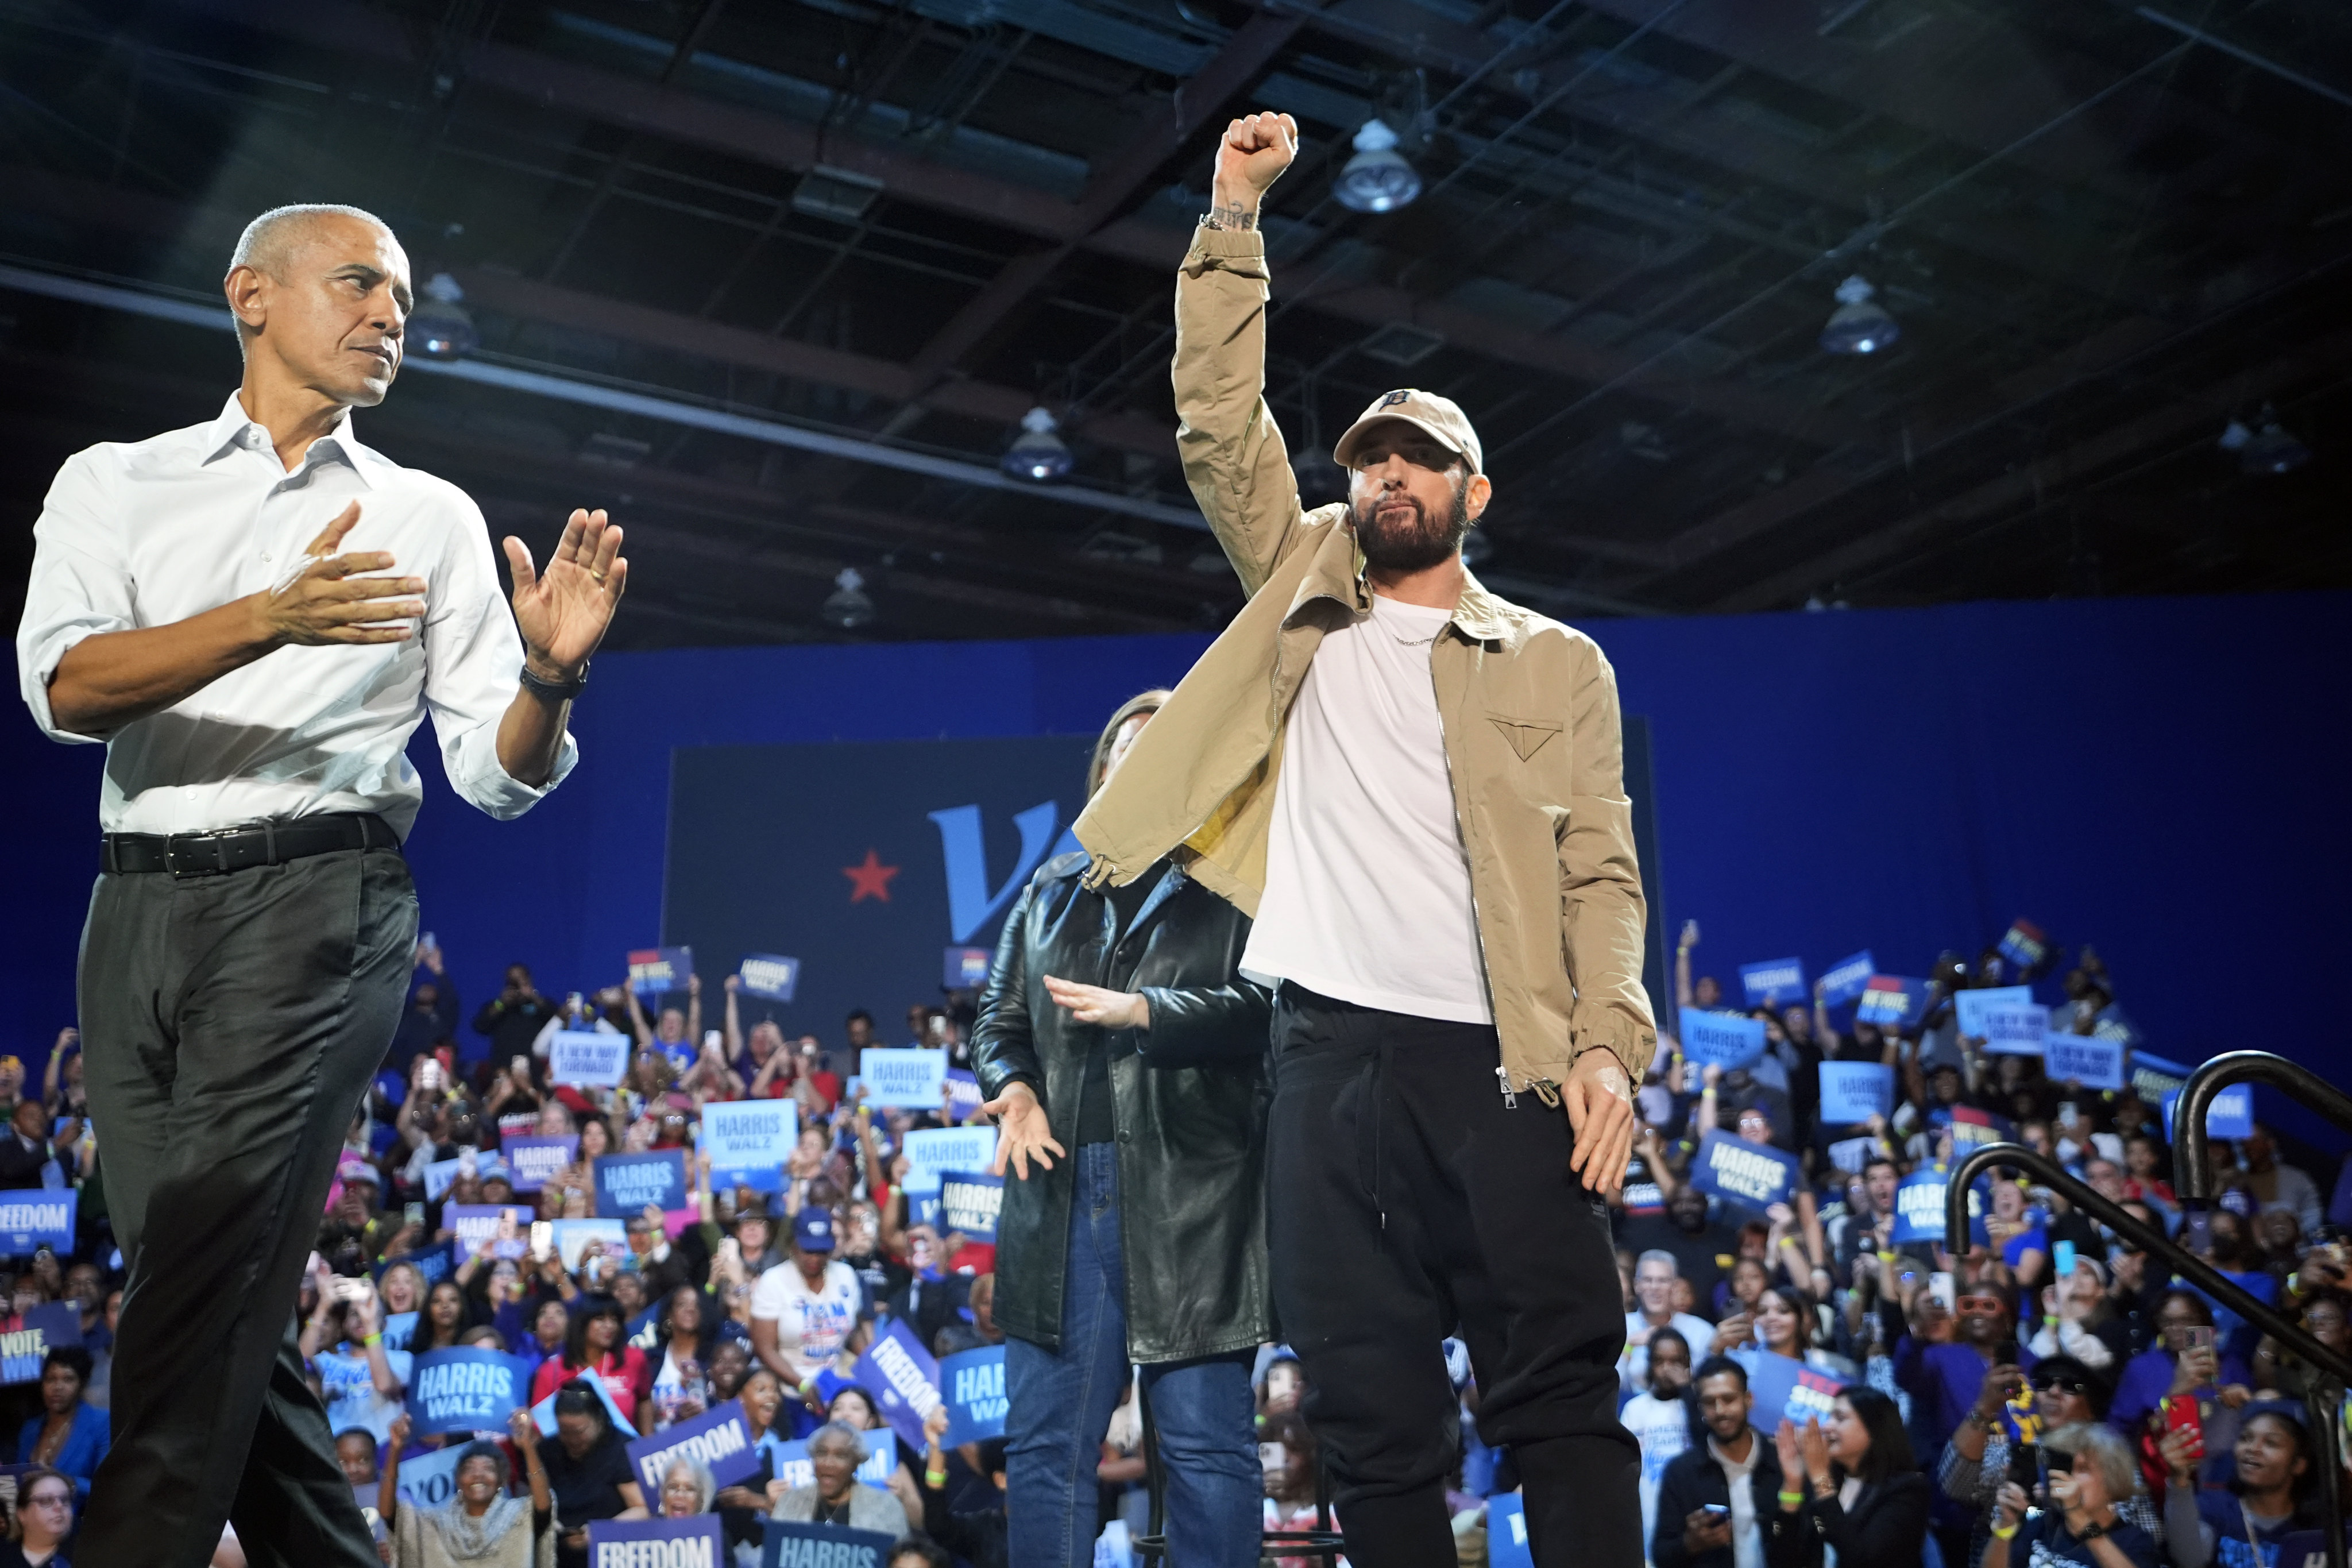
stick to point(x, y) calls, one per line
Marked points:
point(1695, 1479)
point(1886, 1529)
point(512, 1023)
point(1190, 1097)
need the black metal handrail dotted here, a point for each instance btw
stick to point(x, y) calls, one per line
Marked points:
point(2192, 1172)
point(2335, 1366)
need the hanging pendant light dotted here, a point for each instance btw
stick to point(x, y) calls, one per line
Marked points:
point(1377, 179)
point(1858, 325)
point(1037, 454)
point(439, 326)
point(849, 605)
point(2268, 448)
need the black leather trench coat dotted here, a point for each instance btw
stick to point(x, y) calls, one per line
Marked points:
point(1190, 1097)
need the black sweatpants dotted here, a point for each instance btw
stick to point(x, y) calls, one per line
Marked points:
point(1410, 1203)
point(230, 1025)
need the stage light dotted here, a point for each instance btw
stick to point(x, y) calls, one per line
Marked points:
point(2269, 447)
point(847, 606)
point(439, 326)
point(1377, 179)
point(1858, 326)
point(1036, 454)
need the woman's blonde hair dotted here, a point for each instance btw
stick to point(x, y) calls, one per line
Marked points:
point(1142, 702)
point(2096, 1442)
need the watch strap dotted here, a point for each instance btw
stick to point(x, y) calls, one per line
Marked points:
point(565, 690)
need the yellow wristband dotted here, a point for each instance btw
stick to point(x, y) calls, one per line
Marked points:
point(1790, 1499)
point(937, 1477)
point(373, 1340)
point(2003, 1532)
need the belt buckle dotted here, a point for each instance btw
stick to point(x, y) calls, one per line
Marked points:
point(177, 844)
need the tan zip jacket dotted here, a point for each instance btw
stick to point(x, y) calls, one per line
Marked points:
point(1529, 709)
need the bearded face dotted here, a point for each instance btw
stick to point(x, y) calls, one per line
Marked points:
point(1398, 534)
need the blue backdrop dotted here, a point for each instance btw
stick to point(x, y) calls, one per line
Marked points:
point(2161, 777)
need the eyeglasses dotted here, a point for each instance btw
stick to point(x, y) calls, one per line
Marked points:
point(2074, 1385)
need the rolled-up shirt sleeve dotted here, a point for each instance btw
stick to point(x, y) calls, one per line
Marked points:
point(473, 664)
point(80, 586)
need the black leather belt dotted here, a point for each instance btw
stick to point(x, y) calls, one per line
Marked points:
point(270, 843)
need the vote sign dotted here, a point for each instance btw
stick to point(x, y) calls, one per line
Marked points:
point(35, 1217)
point(972, 1384)
point(903, 1378)
point(1855, 1092)
point(2086, 1059)
point(1721, 1039)
point(1971, 1007)
point(46, 1328)
point(1784, 1387)
point(1753, 1175)
point(969, 1202)
point(823, 1546)
point(720, 1437)
point(626, 1183)
point(653, 970)
point(430, 1480)
point(534, 1160)
point(749, 1141)
point(1776, 983)
point(789, 1462)
point(1844, 981)
point(697, 1541)
point(588, 1058)
point(469, 1389)
point(903, 1077)
point(932, 1151)
point(1891, 1000)
point(768, 975)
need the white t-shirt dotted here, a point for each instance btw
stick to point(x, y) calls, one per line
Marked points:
point(1746, 1537)
point(1367, 888)
point(350, 1388)
point(810, 1325)
point(1662, 1428)
point(1634, 1366)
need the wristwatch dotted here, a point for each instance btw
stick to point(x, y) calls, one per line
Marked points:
point(564, 690)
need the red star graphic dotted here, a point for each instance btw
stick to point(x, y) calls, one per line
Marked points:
point(870, 880)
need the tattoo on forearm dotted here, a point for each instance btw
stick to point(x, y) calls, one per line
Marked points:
point(1234, 215)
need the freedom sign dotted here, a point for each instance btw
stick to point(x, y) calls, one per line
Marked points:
point(932, 1151)
point(2016, 1031)
point(791, 1545)
point(1971, 1007)
point(1919, 1208)
point(1753, 1175)
point(1890, 999)
point(626, 1183)
point(2086, 1059)
point(1855, 1092)
point(533, 1160)
point(2229, 1114)
point(749, 1141)
point(1785, 1387)
point(972, 1384)
point(769, 976)
point(46, 1327)
point(969, 1201)
point(789, 1462)
point(903, 1378)
point(1845, 978)
point(588, 1058)
point(697, 1541)
point(1775, 983)
point(913, 1078)
point(720, 1437)
point(35, 1217)
point(1721, 1039)
point(652, 970)
point(469, 1389)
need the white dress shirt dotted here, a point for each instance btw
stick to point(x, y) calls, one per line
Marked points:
point(155, 531)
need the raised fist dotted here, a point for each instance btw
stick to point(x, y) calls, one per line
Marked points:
point(1254, 152)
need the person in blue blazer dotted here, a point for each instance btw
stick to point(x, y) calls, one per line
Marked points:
point(69, 1436)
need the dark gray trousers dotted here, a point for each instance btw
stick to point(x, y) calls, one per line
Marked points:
point(230, 1025)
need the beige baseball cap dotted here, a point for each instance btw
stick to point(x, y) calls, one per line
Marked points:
point(1441, 418)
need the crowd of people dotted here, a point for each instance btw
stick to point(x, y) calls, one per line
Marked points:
point(2048, 1396)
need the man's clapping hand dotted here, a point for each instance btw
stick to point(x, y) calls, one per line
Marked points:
point(329, 602)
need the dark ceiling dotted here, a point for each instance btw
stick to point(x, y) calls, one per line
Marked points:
point(878, 231)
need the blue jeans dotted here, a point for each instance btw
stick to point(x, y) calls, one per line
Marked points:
point(1061, 1405)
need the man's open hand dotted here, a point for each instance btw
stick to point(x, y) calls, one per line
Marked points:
point(1023, 1132)
point(1256, 149)
point(327, 602)
point(1599, 1105)
point(563, 612)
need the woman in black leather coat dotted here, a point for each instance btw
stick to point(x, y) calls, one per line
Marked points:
point(1123, 1056)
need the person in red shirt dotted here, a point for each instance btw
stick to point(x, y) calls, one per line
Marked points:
point(597, 1346)
point(827, 1084)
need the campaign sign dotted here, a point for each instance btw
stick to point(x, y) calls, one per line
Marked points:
point(1851, 1154)
point(720, 1437)
point(2153, 1077)
point(1785, 1387)
point(2229, 1114)
point(430, 1480)
point(1855, 1092)
point(534, 1160)
point(432, 1263)
point(46, 1327)
point(697, 1541)
point(789, 1462)
point(932, 1151)
point(2024, 944)
point(823, 1546)
point(1776, 983)
point(967, 968)
point(2017, 1031)
point(1507, 1532)
point(571, 1237)
point(769, 976)
point(973, 1382)
point(476, 1227)
point(626, 1183)
point(749, 1141)
point(1971, 1127)
point(1971, 1007)
point(1721, 1039)
point(1753, 1175)
point(2086, 1059)
point(653, 970)
point(441, 1175)
point(543, 1414)
point(903, 1077)
point(37, 1217)
point(1919, 1208)
point(963, 1091)
point(969, 1201)
point(1890, 1000)
point(1844, 980)
point(397, 1328)
point(469, 1389)
point(900, 1374)
point(588, 1058)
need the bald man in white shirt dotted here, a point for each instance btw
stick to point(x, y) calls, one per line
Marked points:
point(253, 614)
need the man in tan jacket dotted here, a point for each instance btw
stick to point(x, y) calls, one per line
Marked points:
point(1415, 788)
